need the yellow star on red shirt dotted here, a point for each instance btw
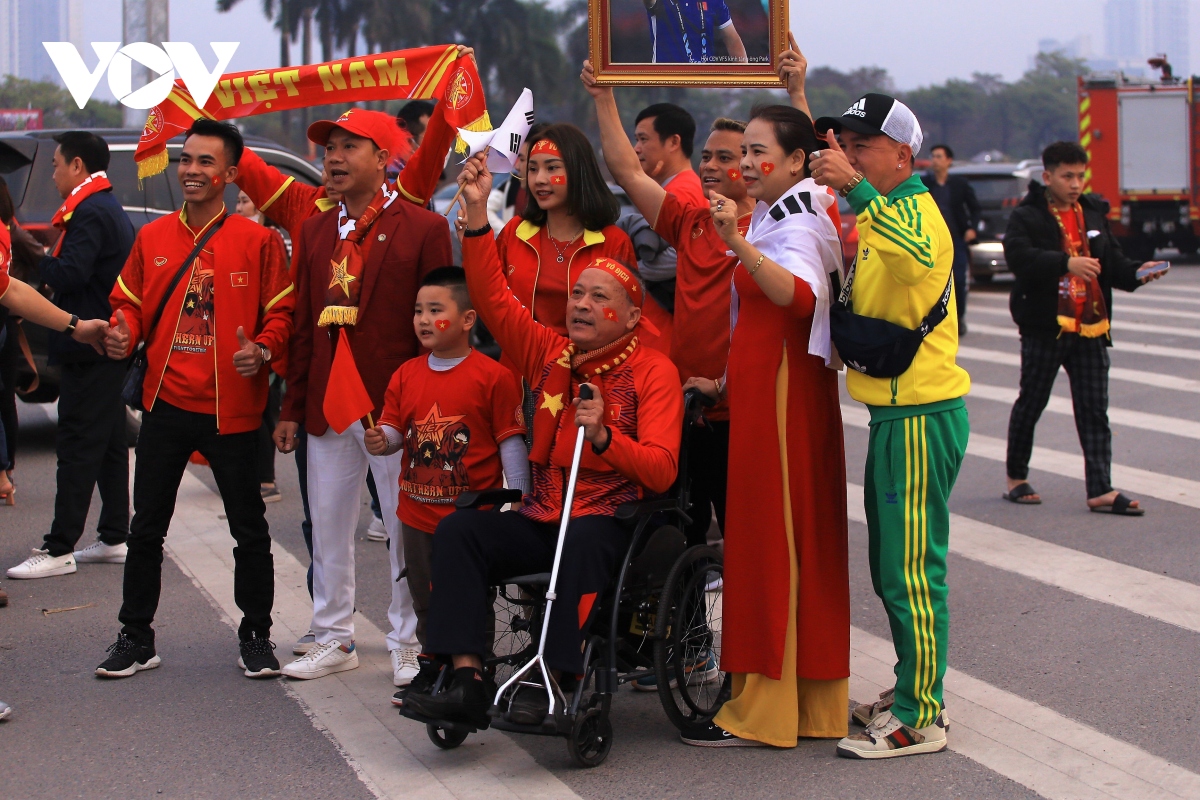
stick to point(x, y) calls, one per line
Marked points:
point(433, 427)
point(340, 276)
point(552, 403)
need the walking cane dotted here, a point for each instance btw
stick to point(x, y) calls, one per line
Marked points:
point(585, 393)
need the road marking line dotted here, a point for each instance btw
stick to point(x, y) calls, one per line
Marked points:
point(1174, 287)
point(392, 755)
point(1121, 325)
point(1138, 591)
point(1124, 305)
point(1070, 465)
point(1119, 416)
point(1039, 748)
point(1120, 346)
point(1156, 379)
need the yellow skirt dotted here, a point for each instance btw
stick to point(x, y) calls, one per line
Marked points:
point(779, 712)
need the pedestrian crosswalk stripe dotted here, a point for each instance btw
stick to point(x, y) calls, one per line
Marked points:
point(1119, 325)
point(1137, 309)
point(1120, 346)
point(1035, 746)
point(1156, 379)
point(1160, 423)
point(1069, 465)
point(1138, 591)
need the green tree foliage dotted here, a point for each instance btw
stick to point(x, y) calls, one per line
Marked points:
point(58, 107)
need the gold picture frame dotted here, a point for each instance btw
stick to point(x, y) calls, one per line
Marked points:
point(718, 68)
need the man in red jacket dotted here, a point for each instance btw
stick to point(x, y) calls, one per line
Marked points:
point(205, 387)
point(633, 426)
point(358, 267)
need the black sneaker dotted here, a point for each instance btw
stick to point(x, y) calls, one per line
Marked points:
point(423, 683)
point(127, 657)
point(711, 734)
point(467, 700)
point(530, 706)
point(258, 657)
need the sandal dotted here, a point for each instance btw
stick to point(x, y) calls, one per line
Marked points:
point(1020, 494)
point(1121, 506)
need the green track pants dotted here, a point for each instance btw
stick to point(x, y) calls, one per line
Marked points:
point(912, 463)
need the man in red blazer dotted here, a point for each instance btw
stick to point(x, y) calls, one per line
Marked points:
point(357, 268)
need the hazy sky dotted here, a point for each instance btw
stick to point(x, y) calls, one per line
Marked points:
point(918, 41)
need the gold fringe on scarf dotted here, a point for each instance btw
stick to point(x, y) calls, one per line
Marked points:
point(338, 315)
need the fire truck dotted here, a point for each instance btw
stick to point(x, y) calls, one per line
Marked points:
point(1142, 137)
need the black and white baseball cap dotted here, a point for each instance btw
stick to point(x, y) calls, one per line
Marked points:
point(874, 114)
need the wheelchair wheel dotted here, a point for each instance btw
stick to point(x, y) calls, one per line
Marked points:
point(591, 737)
point(515, 618)
point(445, 739)
point(687, 646)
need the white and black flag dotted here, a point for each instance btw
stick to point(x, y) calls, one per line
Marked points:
point(504, 142)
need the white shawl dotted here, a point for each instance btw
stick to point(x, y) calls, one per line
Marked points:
point(797, 234)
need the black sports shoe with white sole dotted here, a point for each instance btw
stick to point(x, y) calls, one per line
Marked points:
point(710, 734)
point(127, 657)
point(258, 657)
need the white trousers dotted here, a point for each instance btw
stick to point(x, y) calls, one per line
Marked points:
point(337, 468)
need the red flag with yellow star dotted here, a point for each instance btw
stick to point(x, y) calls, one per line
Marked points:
point(346, 398)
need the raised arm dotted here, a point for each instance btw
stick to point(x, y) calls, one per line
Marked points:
point(733, 42)
point(793, 71)
point(619, 154)
point(282, 198)
point(524, 340)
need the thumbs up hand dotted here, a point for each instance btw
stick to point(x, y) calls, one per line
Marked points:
point(248, 360)
point(831, 167)
point(116, 339)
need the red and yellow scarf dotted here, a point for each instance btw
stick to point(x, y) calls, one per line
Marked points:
point(345, 285)
point(1081, 307)
point(96, 182)
point(556, 390)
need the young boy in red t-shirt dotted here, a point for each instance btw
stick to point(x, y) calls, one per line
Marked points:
point(456, 415)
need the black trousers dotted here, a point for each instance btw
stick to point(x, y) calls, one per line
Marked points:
point(708, 471)
point(92, 453)
point(9, 353)
point(474, 549)
point(1086, 362)
point(266, 444)
point(418, 564)
point(169, 435)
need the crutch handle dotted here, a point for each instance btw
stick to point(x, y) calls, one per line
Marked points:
point(585, 392)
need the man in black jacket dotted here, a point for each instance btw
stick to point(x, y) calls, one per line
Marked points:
point(91, 444)
point(1066, 263)
point(956, 200)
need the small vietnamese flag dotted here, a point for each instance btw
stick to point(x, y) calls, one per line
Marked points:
point(346, 398)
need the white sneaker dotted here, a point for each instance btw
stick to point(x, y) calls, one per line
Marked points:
point(376, 532)
point(305, 643)
point(323, 659)
point(5, 711)
point(43, 565)
point(100, 553)
point(888, 737)
point(405, 665)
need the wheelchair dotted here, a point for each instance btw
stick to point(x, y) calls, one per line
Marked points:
point(660, 617)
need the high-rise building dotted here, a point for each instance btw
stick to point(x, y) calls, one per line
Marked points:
point(25, 24)
point(1167, 29)
point(1123, 29)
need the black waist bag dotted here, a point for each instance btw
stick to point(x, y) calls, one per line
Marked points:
point(876, 347)
point(131, 389)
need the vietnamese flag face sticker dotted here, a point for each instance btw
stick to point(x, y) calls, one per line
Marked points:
point(558, 180)
point(766, 168)
point(734, 175)
point(442, 324)
point(609, 314)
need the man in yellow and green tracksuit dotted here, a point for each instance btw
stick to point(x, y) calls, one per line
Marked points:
point(919, 422)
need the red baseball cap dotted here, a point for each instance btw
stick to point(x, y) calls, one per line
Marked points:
point(377, 126)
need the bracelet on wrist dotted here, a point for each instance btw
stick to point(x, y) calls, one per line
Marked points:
point(851, 185)
point(480, 231)
point(757, 264)
point(74, 321)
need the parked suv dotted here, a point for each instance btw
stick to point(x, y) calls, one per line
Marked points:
point(1000, 188)
point(26, 165)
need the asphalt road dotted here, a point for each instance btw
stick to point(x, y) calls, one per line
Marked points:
point(1070, 680)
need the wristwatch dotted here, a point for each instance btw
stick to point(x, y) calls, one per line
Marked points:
point(70, 329)
point(266, 354)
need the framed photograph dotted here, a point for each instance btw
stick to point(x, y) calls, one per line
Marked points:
point(687, 42)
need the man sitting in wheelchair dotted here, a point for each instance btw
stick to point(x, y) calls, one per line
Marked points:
point(632, 426)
